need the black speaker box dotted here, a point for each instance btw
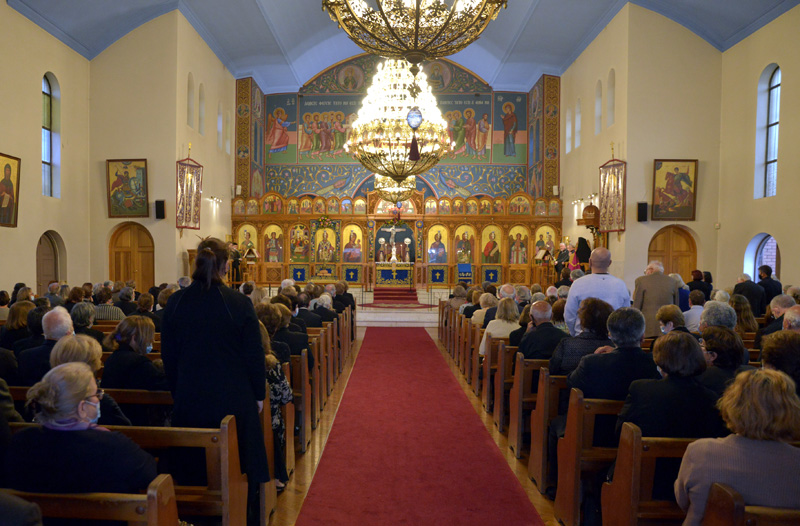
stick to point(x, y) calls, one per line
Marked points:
point(641, 212)
point(160, 214)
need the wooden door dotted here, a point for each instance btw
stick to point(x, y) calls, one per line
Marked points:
point(46, 264)
point(675, 247)
point(132, 256)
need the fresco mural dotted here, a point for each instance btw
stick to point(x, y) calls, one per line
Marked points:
point(281, 125)
point(438, 236)
point(510, 128)
point(324, 127)
point(273, 244)
point(300, 244)
point(518, 245)
point(492, 248)
point(469, 123)
point(352, 251)
point(464, 242)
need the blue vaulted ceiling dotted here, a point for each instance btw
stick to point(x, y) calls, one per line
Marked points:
point(284, 43)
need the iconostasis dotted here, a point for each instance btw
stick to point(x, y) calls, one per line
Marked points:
point(332, 238)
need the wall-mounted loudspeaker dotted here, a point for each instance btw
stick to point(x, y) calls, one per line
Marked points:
point(641, 212)
point(160, 214)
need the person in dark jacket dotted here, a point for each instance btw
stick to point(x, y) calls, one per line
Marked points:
point(83, 316)
point(126, 303)
point(36, 337)
point(214, 360)
point(542, 337)
point(83, 348)
point(593, 315)
point(676, 406)
point(81, 457)
point(515, 338)
point(723, 350)
point(16, 327)
point(697, 283)
point(311, 319)
point(754, 294)
point(144, 307)
point(324, 308)
point(128, 366)
point(297, 341)
point(772, 287)
point(271, 315)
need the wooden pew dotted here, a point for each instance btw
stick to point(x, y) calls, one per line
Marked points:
point(489, 367)
point(458, 320)
point(628, 499)
point(464, 352)
point(522, 398)
point(647, 344)
point(475, 358)
point(318, 340)
point(577, 454)
point(503, 380)
point(226, 493)
point(153, 355)
point(155, 508)
point(288, 412)
point(301, 390)
point(441, 324)
point(451, 330)
point(547, 399)
point(726, 507)
point(125, 397)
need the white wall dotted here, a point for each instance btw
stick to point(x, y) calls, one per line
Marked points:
point(138, 110)
point(668, 84)
point(742, 217)
point(20, 136)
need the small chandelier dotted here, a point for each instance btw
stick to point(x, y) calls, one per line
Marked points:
point(393, 191)
point(415, 30)
point(399, 131)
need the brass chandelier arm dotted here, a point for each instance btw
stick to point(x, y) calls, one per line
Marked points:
point(472, 23)
point(332, 9)
point(389, 26)
point(441, 28)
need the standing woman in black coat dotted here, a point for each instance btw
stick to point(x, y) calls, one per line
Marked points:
point(214, 360)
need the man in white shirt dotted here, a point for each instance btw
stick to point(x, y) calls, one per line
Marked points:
point(692, 316)
point(599, 284)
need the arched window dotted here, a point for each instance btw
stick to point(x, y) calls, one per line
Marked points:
point(51, 143)
point(578, 123)
point(611, 103)
point(190, 101)
point(219, 126)
point(768, 109)
point(569, 130)
point(201, 110)
point(762, 250)
point(598, 107)
point(768, 253)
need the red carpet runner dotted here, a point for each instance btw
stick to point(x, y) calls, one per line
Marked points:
point(408, 448)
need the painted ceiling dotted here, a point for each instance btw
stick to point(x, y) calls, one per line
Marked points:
point(284, 43)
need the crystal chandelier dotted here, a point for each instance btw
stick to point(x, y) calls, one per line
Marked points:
point(416, 30)
point(399, 132)
point(393, 191)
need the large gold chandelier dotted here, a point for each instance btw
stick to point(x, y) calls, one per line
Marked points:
point(416, 30)
point(399, 132)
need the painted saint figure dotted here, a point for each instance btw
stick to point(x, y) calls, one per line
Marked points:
point(352, 250)
point(509, 130)
point(519, 249)
point(324, 249)
point(277, 135)
point(437, 253)
point(7, 197)
point(491, 252)
point(463, 249)
point(274, 249)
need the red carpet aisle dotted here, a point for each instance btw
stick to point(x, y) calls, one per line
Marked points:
point(408, 448)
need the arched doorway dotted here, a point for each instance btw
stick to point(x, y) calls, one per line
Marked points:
point(131, 255)
point(675, 247)
point(48, 261)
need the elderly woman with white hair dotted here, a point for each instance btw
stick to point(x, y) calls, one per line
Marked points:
point(83, 315)
point(506, 320)
point(486, 302)
point(324, 308)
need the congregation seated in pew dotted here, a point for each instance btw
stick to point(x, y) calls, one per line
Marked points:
point(35, 362)
point(69, 453)
point(723, 349)
point(505, 321)
point(593, 315)
point(542, 336)
point(781, 352)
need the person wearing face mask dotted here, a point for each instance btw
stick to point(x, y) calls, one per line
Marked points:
point(128, 367)
point(69, 452)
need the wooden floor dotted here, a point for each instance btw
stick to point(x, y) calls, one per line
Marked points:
point(291, 500)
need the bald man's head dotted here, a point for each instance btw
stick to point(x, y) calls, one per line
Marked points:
point(600, 259)
point(541, 312)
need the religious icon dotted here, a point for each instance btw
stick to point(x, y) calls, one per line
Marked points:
point(273, 204)
point(252, 207)
point(518, 245)
point(333, 205)
point(359, 206)
point(465, 236)
point(293, 206)
point(352, 249)
point(444, 206)
point(485, 207)
point(277, 139)
point(126, 180)
point(273, 244)
point(472, 207)
point(498, 206)
point(299, 241)
point(347, 206)
point(458, 206)
point(491, 248)
point(555, 207)
point(319, 206)
point(326, 249)
point(247, 233)
point(238, 207)
point(519, 206)
point(430, 206)
point(545, 239)
point(305, 206)
point(437, 251)
point(674, 190)
point(509, 130)
point(540, 208)
point(9, 190)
